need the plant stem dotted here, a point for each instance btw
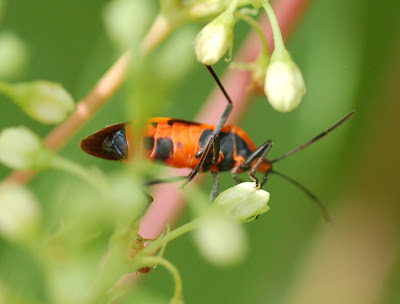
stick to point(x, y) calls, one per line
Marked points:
point(276, 31)
point(256, 26)
point(156, 260)
point(160, 242)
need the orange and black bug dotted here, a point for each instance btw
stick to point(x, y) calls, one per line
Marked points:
point(177, 142)
point(180, 143)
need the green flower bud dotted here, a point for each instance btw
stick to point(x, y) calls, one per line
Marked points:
point(284, 83)
point(19, 213)
point(244, 202)
point(44, 101)
point(14, 55)
point(215, 39)
point(220, 239)
point(124, 29)
point(21, 149)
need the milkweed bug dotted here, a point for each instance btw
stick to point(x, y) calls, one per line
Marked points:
point(200, 147)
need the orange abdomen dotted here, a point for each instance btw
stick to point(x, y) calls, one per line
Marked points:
point(173, 142)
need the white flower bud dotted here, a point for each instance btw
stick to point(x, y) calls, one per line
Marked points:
point(244, 202)
point(284, 83)
point(21, 149)
point(45, 101)
point(19, 213)
point(215, 39)
point(221, 240)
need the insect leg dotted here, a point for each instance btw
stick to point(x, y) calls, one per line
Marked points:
point(203, 153)
point(236, 177)
point(266, 147)
point(197, 169)
point(224, 115)
point(216, 148)
point(215, 189)
point(256, 154)
point(157, 181)
point(265, 178)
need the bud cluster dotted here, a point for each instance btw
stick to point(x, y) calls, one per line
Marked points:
point(278, 76)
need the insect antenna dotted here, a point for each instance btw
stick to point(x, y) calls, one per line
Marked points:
point(308, 192)
point(319, 136)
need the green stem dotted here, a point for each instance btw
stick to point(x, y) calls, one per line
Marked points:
point(159, 243)
point(256, 26)
point(276, 31)
point(156, 260)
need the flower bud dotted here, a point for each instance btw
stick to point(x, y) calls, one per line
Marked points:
point(44, 101)
point(221, 239)
point(123, 29)
point(215, 39)
point(19, 213)
point(21, 149)
point(14, 54)
point(244, 202)
point(284, 83)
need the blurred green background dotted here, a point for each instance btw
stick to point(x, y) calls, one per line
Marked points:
point(349, 54)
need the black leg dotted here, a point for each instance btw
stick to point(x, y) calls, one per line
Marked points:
point(260, 153)
point(212, 141)
point(215, 189)
point(236, 177)
point(216, 149)
point(197, 169)
point(256, 154)
point(164, 180)
point(265, 178)
point(252, 173)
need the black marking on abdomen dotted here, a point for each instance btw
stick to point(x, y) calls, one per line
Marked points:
point(148, 143)
point(242, 148)
point(164, 148)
